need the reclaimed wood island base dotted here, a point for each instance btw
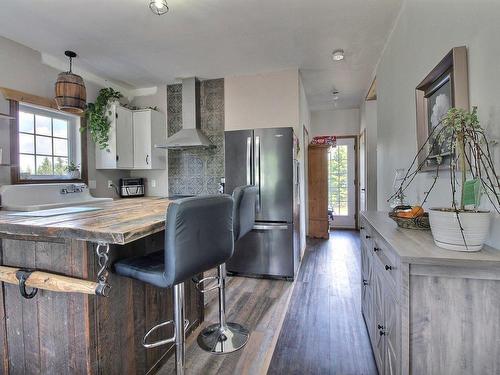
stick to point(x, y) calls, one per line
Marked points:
point(73, 333)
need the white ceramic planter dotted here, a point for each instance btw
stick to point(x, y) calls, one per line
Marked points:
point(74, 175)
point(445, 229)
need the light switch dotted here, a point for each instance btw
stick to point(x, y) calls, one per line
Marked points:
point(92, 184)
point(153, 183)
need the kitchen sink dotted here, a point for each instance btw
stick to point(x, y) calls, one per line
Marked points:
point(37, 197)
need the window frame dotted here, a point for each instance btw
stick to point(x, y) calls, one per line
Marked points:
point(14, 150)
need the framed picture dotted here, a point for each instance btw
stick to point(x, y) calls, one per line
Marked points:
point(445, 87)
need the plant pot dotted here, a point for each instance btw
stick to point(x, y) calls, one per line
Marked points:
point(74, 175)
point(445, 227)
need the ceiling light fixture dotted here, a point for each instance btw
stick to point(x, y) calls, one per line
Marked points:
point(71, 95)
point(335, 97)
point(338, 55)
point(158, 7)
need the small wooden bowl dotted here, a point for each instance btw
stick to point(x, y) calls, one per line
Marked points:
point(419, 223)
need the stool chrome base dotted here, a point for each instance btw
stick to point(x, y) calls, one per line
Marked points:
point(216, 340)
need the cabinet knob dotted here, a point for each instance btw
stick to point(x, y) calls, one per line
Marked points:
point(365, 282)
point(367, 236)
point(379, 326)
point(388, 268)
point(361, 227)
point(382, 333)
point(376, 249)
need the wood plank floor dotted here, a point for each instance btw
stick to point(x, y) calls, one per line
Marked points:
point(258, 304)
point(324, 331)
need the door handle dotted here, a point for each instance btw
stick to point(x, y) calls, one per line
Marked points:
point(249, 161)
point(270, 227)
point(257, 171)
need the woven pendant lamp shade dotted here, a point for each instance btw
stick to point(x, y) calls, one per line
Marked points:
point(71, 95)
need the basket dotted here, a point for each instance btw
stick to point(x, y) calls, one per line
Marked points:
point(419, 223)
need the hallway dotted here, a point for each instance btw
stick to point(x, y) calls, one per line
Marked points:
point(324, 331)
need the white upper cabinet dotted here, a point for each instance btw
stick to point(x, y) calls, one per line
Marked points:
point(149, 129)
point(132, 137)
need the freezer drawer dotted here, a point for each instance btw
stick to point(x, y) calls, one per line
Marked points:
point(268, 250)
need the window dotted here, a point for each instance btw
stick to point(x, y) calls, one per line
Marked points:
point(338, 178)
point(48, 142)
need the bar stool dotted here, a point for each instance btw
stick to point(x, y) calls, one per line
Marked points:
point(198, 237)
point(226, 337)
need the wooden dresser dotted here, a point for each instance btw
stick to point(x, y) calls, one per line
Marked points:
point(428, 310)
point(318, 191)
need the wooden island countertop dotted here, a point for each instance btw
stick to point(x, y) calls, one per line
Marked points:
point(118, 222)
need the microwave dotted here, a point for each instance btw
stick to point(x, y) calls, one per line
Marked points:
point(132, 187)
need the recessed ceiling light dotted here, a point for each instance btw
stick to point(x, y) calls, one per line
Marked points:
point(158, 7)
point(338, 55)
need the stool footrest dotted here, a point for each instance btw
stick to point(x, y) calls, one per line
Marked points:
point(199, 283)
point(170, 340)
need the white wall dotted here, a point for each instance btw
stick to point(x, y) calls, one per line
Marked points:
point(262, 100)
point(368, 121)
point(424, 33)
point(21, 69)
point(335, 122)
point(159, 176)
point(304, 120)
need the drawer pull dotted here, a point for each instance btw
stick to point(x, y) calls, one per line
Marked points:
point(388, 268)
point(362, 228)
point(365, 282)
point(376, 249)
point(382, 333)
point(367, 236)
point(379, 326)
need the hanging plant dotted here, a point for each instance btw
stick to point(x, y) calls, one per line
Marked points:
point(97, 115)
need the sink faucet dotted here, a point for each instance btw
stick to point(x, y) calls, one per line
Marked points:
point(73, 188)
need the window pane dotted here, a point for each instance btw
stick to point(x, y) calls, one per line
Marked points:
point(60, 147)
point(43, 125)
point(60, 165)
point(44, 165)
point(338, 180)
point(43, 145)
point(26, 122)
point(60, 128)
point(27, 164)
point(26, 143)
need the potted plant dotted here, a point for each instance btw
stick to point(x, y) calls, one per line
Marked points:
point(461, 227)
point(73, 171)
point(97, 115)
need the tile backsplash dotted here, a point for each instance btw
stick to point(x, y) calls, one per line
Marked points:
point(197, 171)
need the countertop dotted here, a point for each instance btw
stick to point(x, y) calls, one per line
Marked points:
point(119, 222)
point(417, 246)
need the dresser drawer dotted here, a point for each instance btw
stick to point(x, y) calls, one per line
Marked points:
point(388, 262)
point(365, 234)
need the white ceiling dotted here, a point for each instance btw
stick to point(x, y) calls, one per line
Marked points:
point(123, 41)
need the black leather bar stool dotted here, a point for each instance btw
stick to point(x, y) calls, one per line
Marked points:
point(226, 337)
point(198, 237)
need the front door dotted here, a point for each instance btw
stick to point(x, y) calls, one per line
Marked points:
point(341, 183)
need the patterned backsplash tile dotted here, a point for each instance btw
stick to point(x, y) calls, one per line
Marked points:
point(197, 171)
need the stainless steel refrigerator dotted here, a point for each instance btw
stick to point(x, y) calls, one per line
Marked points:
point(266, 158)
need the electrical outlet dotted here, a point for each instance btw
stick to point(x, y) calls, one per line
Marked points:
point(92, 184)
point(110, 184)
point(153, 183)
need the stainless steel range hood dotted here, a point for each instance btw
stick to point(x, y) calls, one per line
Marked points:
point(190, 136)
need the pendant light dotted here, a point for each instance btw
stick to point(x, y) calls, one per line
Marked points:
point(71, 95)
point(158, 7)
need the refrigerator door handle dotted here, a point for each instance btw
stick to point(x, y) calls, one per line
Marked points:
point(249, 160)
point(257, 171)
point(270, 227)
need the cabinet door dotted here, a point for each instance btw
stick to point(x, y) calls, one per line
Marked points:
point(367, 289)
point(378, 339)
point(392, 335)
point(142, 140)
point(124, 139)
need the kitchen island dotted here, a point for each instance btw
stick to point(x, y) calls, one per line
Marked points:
point(73, 333)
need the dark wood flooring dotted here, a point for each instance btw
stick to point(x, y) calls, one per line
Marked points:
point(324, 331)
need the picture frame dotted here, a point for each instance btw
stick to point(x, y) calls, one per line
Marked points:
point(445, 87)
